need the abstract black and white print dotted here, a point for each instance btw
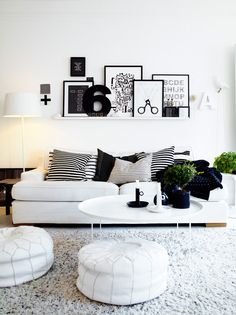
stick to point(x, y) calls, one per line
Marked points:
point(73, 93)
point(77, 66)
point(119, 79)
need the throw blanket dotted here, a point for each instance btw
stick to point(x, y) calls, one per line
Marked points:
point(207, 179)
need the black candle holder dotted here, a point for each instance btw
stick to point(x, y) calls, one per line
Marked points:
point(138, 193)
point(137, 203)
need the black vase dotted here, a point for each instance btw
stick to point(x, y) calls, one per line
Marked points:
point(181, 199)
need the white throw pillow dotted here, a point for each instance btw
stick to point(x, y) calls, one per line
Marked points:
point(126, 172)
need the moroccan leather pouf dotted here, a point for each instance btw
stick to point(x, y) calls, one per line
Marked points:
point(122, 272)
point(26, 253)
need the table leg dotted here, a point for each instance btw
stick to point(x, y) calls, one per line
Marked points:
point(92, 231)
point(8, 198)
point(190, 236)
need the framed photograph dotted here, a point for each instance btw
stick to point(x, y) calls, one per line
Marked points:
point(176, 91)
point(148, 98)
point(77, 66)
point(73, 92)
point(120, 81)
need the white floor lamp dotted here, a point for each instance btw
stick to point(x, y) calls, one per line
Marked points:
point(22, 104)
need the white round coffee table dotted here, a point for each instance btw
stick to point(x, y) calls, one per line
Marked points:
point(115, 209)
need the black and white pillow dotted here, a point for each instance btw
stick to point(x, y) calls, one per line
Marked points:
point(105, 164)
point(127, 172)
point(90, 168)
point(181, 157)
point(50, 159)
point(67, 166)
point(160, 160)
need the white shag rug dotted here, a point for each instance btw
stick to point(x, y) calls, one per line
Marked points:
point(202, 275)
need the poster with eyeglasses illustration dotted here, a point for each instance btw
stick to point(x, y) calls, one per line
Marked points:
point(148, 98)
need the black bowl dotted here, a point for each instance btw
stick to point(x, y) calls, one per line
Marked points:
point(134, 204)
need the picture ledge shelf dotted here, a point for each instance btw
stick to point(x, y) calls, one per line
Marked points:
point(59, 117)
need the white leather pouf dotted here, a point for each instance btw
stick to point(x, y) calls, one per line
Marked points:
point(122, 272)
point(26, 253)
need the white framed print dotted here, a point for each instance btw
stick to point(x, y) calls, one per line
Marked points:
point(176, 91)
point(119, 79)
point(148, 98)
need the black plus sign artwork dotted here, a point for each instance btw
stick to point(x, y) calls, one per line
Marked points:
point(45, 100)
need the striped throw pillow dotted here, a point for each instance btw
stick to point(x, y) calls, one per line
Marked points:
point(50, 158)
point(180, 157)
point(160, 160)
point(90, 168)
point(67, 166)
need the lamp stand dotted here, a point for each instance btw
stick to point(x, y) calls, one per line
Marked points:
point(23, 141)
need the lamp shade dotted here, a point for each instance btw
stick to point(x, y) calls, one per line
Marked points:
point(22, 104)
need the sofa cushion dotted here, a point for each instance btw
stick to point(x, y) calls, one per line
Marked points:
point(67, 166)
point(160, 159)
point(62, 190)
point(106, 162)
point(90, 168)
point(126, 172)
point(181, 156)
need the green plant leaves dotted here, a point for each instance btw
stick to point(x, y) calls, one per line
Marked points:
point(226, 162)
point(179, 175)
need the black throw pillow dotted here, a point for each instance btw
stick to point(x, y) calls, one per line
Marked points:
point(105, 164)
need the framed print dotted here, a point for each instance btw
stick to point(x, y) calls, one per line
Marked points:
point(119, 79)
point(148, 98)
point(176, 91)
point(73, 92)
point(77, 66)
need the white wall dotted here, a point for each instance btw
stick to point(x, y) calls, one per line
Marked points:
point(38, 38)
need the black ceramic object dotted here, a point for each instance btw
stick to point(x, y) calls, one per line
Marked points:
point(165, 199)
point(134, 204)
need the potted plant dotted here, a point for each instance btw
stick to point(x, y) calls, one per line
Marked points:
point(179, 176)
point(226, 162)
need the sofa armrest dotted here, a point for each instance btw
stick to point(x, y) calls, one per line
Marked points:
point(36, 175)
point(229, 184)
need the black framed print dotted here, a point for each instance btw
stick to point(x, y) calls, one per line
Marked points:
point(73, 92)
point(77, 66)
point(176, 92)
point(148, 98)
point(119, 79)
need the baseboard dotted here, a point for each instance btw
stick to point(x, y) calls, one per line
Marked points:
point(216, 224)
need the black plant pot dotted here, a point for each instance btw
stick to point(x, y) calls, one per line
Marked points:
point(181, 199)
point(172, 192)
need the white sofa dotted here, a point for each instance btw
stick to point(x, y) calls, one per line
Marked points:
point(56, 202)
